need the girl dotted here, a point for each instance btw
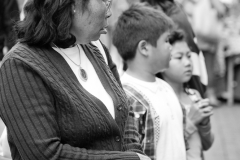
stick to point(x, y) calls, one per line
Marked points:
point(198, 129)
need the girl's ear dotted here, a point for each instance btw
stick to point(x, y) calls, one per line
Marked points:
point(143, 48)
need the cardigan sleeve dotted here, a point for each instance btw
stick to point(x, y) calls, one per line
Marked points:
point(27, 109)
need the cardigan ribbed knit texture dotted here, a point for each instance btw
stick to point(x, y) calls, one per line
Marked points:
point(50, 116)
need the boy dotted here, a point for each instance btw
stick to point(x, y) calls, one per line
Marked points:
point(141, 37)
point(198, 130)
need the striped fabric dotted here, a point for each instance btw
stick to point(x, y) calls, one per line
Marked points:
point(50, 116)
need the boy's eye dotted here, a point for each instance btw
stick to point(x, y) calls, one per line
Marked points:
point(178, 57)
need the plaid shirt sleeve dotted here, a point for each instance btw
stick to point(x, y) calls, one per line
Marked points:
point(139, 112)
point(131, 135)
point(143, 127)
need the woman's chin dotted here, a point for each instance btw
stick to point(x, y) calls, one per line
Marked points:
point(103, 31)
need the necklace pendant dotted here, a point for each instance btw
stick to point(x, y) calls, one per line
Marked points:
point(83, 74)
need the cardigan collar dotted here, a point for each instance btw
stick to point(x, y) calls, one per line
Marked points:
point(103, 73)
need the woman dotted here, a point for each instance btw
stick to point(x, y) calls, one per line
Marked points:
point(60, 94)
point(174, 11)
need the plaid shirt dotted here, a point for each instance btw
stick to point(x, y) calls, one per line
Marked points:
point(146, 119)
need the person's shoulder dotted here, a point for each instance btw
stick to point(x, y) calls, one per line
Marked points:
point(136, 97)
point(25, 53)
point(165, 86)
point(126, 79)
point(24, 50)
point(15, 51)
point(162, 83)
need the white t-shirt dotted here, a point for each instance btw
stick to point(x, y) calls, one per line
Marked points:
point(170, 141)
point(93, 85)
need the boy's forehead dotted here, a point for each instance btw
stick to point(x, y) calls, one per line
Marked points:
point(165, 34)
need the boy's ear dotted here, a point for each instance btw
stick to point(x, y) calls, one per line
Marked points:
point(143, 48)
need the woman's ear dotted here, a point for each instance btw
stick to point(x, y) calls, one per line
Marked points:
point(73, 8)
point(143, 48)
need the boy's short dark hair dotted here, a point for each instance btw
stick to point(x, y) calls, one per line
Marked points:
point(138, 23)
point(177, 36)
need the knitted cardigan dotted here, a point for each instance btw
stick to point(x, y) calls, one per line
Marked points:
point(50, 116)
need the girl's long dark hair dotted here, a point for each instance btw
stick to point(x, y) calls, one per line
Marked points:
point(45, 22)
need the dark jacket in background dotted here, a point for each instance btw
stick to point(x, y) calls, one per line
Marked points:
point(9, 13)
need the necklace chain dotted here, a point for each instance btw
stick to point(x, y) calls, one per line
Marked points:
point(82, 73)
point(79, 65)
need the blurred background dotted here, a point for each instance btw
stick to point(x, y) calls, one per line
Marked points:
point(216, 24)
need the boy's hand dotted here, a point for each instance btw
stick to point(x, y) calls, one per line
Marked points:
point(200, 112)
point(143, 157)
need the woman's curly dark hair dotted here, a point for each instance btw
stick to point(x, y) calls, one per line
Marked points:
point(46, 22)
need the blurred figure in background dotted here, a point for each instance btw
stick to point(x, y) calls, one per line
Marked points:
point(206, 18)
point(21, 4)
point(173, 9)
point(9, 13)
point(217, 26)
point(118, 6)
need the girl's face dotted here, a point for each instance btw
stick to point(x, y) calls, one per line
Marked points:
point(91, 21)
point(180, 66)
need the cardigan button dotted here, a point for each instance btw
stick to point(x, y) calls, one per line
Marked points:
point(120, 108)
point(117, 139)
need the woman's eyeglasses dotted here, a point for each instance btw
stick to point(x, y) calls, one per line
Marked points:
point(108, 4)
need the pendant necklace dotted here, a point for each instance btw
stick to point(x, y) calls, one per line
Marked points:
point(82, 73)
